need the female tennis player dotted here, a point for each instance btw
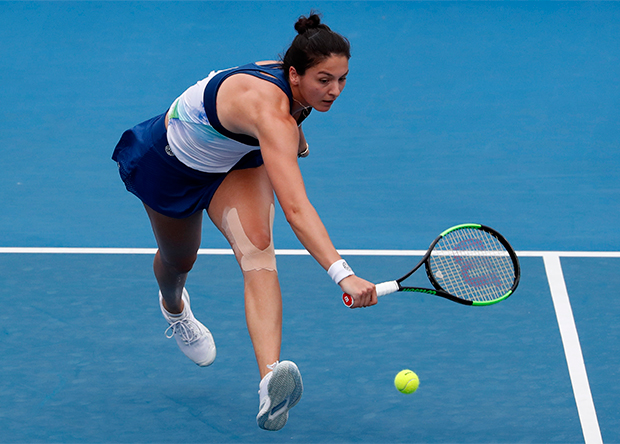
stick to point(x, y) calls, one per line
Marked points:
point(225, 146)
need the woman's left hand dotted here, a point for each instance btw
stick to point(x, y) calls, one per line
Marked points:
point(363, 292)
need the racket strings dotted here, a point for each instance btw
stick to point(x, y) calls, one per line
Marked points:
point(472, 264)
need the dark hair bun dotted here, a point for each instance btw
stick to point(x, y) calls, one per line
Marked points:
point(314, 43)
point(313, 21)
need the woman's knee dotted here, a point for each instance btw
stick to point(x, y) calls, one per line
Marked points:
point(180, 264)
point(252, 242)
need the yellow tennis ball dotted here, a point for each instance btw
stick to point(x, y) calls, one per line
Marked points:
point(406, 381)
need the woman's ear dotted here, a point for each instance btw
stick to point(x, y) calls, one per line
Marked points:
point(293, 77)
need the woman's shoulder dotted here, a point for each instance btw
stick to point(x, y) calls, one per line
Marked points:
point(252, 93)
point(264, 77)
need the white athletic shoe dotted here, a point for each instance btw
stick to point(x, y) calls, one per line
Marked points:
point(194, 339)
point(280, 390)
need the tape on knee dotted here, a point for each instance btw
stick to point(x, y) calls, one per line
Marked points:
point(250, 257)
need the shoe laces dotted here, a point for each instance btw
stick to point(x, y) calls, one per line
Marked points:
point(186, 329)
point(272, 366)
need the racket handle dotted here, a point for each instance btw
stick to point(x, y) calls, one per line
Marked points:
point(383, 289)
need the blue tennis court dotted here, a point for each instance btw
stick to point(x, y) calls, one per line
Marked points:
point(501, 113)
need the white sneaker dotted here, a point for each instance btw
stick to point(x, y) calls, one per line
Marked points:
point(194, 339)
point(280, 390)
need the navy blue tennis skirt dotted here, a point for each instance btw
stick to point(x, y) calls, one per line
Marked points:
point(159, 179)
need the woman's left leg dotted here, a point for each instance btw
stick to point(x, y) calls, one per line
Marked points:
point(242, 209)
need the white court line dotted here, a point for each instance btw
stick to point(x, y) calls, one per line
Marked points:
point(566, 322)
point(284, 252)
point(572, 350)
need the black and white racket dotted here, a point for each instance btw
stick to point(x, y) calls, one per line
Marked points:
point(470, 264)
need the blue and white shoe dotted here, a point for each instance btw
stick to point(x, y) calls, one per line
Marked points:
point(193, 338)
point(280, 390)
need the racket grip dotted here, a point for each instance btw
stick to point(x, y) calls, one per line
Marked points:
point(383, 289)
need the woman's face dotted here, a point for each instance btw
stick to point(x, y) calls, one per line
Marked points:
point(321, 85)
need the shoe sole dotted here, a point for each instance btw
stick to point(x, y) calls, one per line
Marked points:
point(209, 361)
point(284, 390)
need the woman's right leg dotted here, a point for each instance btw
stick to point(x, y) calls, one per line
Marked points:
point(178, 241)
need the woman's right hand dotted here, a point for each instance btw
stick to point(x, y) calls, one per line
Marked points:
point(363, 292)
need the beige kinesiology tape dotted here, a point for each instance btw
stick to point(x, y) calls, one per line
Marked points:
point(250, 257)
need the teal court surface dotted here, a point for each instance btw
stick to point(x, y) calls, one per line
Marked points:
point(501, 113)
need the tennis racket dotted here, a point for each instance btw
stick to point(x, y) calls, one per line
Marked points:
point(470, 264)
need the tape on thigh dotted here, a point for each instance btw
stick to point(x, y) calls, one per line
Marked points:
point(250, 257)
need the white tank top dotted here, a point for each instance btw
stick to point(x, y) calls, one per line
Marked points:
point(194, 141)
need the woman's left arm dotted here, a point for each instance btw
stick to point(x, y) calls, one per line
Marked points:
point(263, 111)
point(277, 136)
point(283, 170)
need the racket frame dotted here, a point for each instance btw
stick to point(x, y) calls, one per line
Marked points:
point(389, 287)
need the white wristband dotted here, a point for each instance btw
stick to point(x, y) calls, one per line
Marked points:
point(339, 270)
